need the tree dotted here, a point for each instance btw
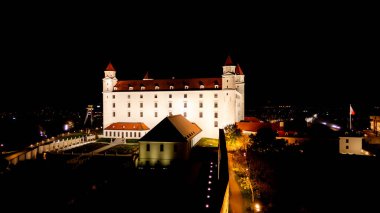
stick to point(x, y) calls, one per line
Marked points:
point(232, 133)
point(265, 141)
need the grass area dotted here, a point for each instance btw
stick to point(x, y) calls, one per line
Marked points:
point(107, 140)
point(207, 142)
point(132, 140)
point(122, 149)
point(87, 148)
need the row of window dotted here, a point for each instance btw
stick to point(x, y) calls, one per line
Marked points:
point(171, 87)
point(170, 114)
point(170, 105)
point(170, 96)
point(123, 134)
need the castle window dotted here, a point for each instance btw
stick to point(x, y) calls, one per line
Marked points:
point(113, 96)
point(129, 105)
point(141, 105)
point(155, 105)
point(215, 123)
point(141, 114)
point(215, 115)
point(200, 95)
point(170, 104)
point(200, 104)
point(201, 86)
point(156, 114)
point(141, 96)
point(171, 87)
point(130, 88)
point(215, 104)
point(184, 95)
point(139, 134)
point(113, 105)
point(106, 133)
point(201, 114)
point(161, 147)
point(129, 114)
point(347, 147)
point(155, 95)
point(186, 87)
point(346, 140)
point(129, 96)
point(170, 95)
point(185, 105)
point(216, 86)
point(170, 113)
point(156, 87)
point(184, 114)
point(148, 147)
point(216, 95)
point(113, 114)
point(142, 87)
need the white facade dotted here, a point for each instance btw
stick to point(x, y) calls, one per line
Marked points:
point(211, 107)
point(350, 145)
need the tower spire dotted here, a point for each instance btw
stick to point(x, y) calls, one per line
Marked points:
point(110, 67)
point(238, 70)
point(228, 61)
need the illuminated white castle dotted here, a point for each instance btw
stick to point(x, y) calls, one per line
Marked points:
point(132, 107)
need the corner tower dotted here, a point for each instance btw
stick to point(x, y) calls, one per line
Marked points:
point(228, 77)
point(109, 80)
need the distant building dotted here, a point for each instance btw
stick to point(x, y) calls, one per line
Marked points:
point(250, 125)
point(169, 140)
point(129, 130)
point(375, 123)
point(212, 103)
point(351, 145)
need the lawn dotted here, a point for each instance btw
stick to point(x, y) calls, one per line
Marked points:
point(121, 149)
point(207, 142)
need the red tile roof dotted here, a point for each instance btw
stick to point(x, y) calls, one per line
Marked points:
point(110, 67)
point(164, 84)
point(228, 61)
point(238, 70)
point(137, 126)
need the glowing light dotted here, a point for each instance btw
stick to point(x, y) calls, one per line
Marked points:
point(207, 205)
point(209, 182)
point(257, 207)
point(209, 188)
point(208, 196)
point(212, 162)
point(210, 176)
point(210, 171)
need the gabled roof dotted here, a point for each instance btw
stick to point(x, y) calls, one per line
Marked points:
point(238, 70)
point(174, 128)
point(110, 67)
point(147, 77)
point(228, 61)
point(136, 126)
point(165, 84)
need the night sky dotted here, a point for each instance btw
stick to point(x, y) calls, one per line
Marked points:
point(309, 54)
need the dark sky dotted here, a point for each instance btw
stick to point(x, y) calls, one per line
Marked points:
point(289, 53)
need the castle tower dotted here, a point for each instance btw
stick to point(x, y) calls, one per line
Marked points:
point(109, 80)
point(228, 81)
point(240, 87)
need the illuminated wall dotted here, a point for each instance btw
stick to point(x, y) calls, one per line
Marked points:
point(350, 145)
point(154, 153)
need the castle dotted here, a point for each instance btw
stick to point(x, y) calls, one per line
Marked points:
point(132, 107)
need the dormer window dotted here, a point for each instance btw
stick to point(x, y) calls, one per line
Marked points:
point(130, 88)
point(114, 88)
point(156, 87)
point(186, 87)
point(202, 86)
point(216, 86)
point(171, 87)
point(142, 87)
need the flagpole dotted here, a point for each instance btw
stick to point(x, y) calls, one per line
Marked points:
point(350, 118)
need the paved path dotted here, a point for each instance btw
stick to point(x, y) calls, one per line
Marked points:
point(236, 199)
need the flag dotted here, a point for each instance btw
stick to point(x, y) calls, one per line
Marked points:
point(352, 112)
